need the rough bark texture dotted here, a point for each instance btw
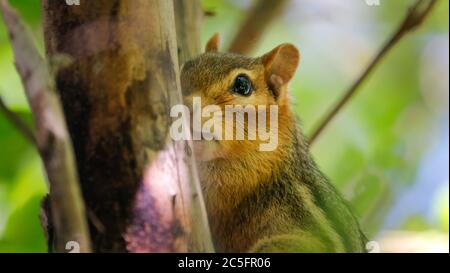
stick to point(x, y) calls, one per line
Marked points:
point(52, 139)
point(117, 94)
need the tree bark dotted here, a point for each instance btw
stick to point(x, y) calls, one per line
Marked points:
point(52, 139)
point(188, 18)
point(117, 94)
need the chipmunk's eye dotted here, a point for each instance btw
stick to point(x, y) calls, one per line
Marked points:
point(242, 85)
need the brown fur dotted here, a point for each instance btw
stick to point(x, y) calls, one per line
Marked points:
point(265, 201)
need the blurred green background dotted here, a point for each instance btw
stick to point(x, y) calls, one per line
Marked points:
point(387, 151)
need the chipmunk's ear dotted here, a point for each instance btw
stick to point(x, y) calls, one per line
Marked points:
point(213, 43)
point(280, 65)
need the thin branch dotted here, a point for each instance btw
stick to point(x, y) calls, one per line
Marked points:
point(188, 18)
point(18, 122)
point(414, 18)
point(259, 18)
point(53, 141)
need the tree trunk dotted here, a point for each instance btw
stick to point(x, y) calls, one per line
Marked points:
point(117, 93)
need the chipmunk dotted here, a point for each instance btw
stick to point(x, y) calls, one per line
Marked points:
point(264, 201)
